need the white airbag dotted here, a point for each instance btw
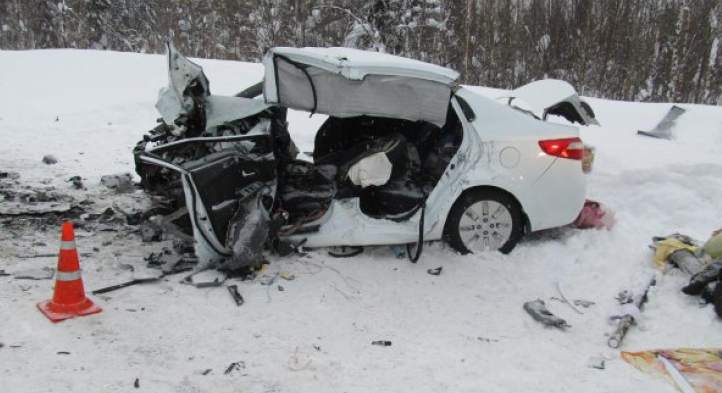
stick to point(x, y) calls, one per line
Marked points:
point(374, 170)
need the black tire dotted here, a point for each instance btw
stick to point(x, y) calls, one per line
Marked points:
point(500, 231)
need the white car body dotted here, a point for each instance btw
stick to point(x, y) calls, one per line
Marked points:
point(499, 150)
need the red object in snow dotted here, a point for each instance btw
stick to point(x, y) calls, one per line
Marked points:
point(594, 215)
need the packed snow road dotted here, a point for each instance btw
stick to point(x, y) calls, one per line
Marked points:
point(464, 330)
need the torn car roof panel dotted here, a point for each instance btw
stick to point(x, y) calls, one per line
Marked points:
point(345, 83)
point(356, 64)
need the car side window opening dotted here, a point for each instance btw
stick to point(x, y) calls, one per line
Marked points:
point(418, 153)
point(466, 109)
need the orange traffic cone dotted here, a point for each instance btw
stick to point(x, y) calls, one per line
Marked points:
point(69, 298)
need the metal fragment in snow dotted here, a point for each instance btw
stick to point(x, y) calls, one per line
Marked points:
point(664, 129)
point(35, 274)
point(206, 278)
point(537, 309)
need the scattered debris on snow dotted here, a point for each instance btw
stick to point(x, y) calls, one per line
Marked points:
point(595, 215)
point(537, 309)
point(33, 208)
point(206, 278)
point(77, 182)
point(50, 160)
point(435, 272)
point(562, 292)
point(233, 290)
point(286, 275)
point(120, 182)
point(268, 279)
point(629, 311)
point(584, 303)
point(150, 232)
point(235, 366)
point(35, 274)
point(664, 129)
point(597, 363)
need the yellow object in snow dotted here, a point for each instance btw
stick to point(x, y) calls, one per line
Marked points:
point(665, 248)
point(702, 368)
point(713, 247)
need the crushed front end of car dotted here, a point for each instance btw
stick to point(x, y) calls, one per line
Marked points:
point(217, 157)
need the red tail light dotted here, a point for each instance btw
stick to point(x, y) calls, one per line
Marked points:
point(571, 148)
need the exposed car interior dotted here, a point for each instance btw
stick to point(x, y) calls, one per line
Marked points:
point(418, 153)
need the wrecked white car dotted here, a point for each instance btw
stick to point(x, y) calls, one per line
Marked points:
point(405, 156)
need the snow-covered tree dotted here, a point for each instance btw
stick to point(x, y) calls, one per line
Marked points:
point(655, 50)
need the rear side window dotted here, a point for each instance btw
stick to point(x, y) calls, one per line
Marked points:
point(466, 109)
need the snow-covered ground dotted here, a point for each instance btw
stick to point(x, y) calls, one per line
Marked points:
point(462, 331)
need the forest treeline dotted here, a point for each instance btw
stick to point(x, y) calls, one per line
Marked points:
point(651, 50)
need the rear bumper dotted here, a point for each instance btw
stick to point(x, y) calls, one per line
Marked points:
point(559, 195)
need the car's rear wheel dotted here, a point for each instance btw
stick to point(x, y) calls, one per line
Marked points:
point(484, 220)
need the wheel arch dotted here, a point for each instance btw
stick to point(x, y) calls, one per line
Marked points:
point(486, 187)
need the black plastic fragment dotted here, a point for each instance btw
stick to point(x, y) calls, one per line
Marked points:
point(77, 182)
point(435, 272)
point(50, 160)
point(241, 365)
point(233, 290)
